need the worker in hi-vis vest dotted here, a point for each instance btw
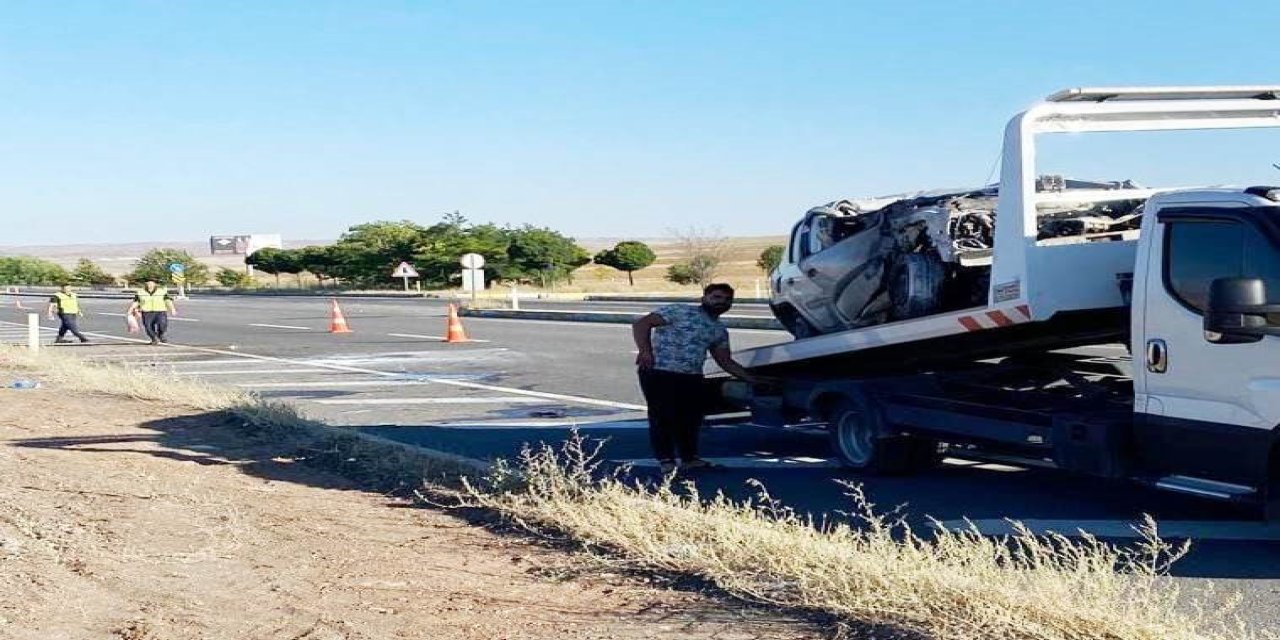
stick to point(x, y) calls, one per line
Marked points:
point(65, 306)
point(156, 304)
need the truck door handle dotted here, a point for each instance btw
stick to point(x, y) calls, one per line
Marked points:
point(1157, 356)
point(811, 272)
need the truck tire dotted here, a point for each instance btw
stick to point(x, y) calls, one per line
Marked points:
point(855, 427)
point(915, 285)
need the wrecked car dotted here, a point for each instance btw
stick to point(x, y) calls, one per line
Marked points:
point(857, 263)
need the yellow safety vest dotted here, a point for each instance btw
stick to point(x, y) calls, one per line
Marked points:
point(153, 301)
point(68, 303)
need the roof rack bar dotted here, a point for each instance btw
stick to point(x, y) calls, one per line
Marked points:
point(1127, 94)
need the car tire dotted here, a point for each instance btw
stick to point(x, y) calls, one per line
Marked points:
point(915, 285)
point(794, 323)
point(855, 426)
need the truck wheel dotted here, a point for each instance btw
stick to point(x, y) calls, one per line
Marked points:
point(855, 429)
point(915, 285)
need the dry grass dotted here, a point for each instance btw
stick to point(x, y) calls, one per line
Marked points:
point(871, 570)
point(875, 571)
point(376, 462)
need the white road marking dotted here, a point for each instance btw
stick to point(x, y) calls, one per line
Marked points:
point(436, 338)
point(752, 462)
point(235, 372)
point(385, 374)
point(464, 400)
point(335, 383)
point(279, 326)
point(182, 319)
point(1193, 529)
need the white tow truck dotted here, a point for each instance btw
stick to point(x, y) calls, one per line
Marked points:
point(1041, 373)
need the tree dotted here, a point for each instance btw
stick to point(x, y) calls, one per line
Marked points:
point(703, 251)
point(371, 251)
point(629, 256)
point(320, 261)
point(547, 253)
point(699, 270)
point(31, 272)
point(268, 260)
point(154, 265)
point(89, 273)
point(233, 278)
point(770, 258)
point(290, 261)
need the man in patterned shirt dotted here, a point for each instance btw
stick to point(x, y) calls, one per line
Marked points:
point(673, 343)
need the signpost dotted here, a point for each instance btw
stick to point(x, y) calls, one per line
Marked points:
point(178, 274)
point(406, 271)
point(472, 273)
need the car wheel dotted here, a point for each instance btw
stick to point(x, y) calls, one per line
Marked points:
point(915, 285)
point(794, 323)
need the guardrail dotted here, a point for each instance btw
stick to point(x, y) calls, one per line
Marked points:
point(731, 321)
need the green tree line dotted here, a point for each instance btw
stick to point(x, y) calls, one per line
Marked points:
point(367, 253)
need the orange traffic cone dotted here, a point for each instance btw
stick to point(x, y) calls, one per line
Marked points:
point(337, 321)
point(455, 332)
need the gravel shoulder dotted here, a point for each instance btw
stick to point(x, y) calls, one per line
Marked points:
point(128, 519)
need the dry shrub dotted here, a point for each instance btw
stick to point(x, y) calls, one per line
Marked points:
point(872, 569)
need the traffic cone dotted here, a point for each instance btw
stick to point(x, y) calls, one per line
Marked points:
point(337, 321)
point(17, 303)
point(455, 332)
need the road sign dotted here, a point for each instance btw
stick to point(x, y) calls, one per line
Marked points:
point(472, 260)
point(404, 270)
point(178, 277)
point(176, 267)
point(473, 281)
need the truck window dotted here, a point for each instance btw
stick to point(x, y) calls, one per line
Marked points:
point(1197, 253)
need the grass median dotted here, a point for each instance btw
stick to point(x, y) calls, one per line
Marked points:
point(865, 568)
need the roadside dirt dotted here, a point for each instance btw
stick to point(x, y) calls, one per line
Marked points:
point(129, 520)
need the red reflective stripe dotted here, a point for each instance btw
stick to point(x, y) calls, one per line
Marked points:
point(999, 318)
point(969, 323)
point(1024, 310)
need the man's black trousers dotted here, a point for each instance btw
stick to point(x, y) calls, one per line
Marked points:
point(69, 322)
point(677, 403)
point(156, 323)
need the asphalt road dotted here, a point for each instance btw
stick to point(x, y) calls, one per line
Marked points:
point(529, 381)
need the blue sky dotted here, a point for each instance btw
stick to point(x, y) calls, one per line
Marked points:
point(153, 120)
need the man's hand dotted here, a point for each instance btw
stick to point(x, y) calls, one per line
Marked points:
point(644, 360)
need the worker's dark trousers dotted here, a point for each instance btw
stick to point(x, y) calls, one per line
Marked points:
point(156, 323)
point(69, 323)
point(676, 402)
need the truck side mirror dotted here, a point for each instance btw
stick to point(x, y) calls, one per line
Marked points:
point(1236, 313)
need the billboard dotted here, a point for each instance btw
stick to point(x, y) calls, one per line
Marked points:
point(243, 245)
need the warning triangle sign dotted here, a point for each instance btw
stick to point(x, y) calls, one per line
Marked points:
point(405, 270)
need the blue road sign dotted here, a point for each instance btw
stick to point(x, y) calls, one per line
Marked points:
point(176, 267)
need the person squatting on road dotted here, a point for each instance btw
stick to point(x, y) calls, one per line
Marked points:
point(65, 306)
point(673, 343)
point(156, 304)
